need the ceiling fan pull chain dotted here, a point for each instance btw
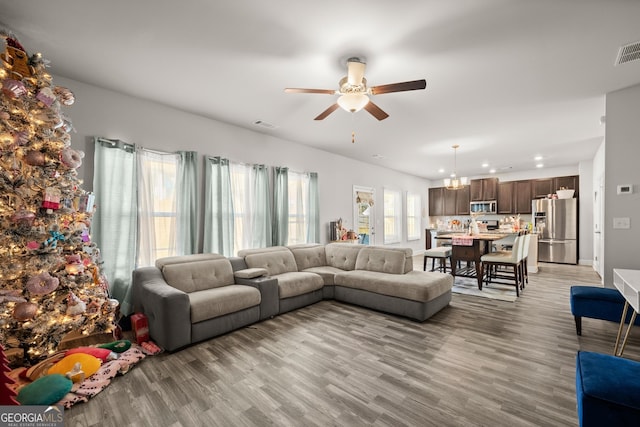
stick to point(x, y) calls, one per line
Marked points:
point(353, 137)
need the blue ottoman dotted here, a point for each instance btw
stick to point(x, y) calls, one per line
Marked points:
point(607, 390)
point(597, 303)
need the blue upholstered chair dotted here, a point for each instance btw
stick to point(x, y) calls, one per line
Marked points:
point(607, 390)
point(597, 303)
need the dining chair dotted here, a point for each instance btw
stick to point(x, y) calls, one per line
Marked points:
point(511, 261)
point(525, 259)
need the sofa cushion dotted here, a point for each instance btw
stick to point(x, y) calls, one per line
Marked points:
point(292, 284)
point(274, 261)
point(381, 260)
point(216, 302)
point(327, 273)
point(180, 259)
point(416, 285)
point(199, 275)
point(308, 256)
point(342, 255)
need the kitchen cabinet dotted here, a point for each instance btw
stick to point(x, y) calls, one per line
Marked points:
point(546, 186)
point(569, 182)
point(514, 197)
point(462, 201)
point(522, 197)
point(448, 202)
point(506, 197)
point(436, 201)
point(542, 187)
point(484, 189)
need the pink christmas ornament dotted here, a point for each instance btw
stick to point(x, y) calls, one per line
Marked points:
point(51, 199)
point(71, 158)
point(25, 311)
point(34, 158)
point(23, 216)
point(42, 284)
point(74, 264)
point(32, 245)
point(75, 305)
point(21, 138)
point(46, 96)
point(64, 95)
point(13, 88)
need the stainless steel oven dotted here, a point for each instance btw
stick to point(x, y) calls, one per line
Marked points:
point(487, 207)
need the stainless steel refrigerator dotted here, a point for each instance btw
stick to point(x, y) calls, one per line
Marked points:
point(556, 221)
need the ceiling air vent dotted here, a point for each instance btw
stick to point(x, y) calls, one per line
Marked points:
point(628, 53)
point(264, 124)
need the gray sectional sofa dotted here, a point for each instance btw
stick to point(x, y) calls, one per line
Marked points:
point(277, 280)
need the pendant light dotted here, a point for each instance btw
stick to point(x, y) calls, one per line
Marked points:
point(455, 183)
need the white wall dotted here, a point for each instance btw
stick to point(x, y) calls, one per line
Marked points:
point(622, 166)
point(104, 113)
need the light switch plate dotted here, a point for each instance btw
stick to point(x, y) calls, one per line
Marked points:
point(621, 223)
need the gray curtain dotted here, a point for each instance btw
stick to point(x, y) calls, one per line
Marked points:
point(218, 210)
point(114, 225)
point(280, 206)
point(313, 234)
point(187, 206)
point(262, 209)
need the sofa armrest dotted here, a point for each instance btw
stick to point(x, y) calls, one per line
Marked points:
point(268, 287)
point(250, 273)
point(168, 309)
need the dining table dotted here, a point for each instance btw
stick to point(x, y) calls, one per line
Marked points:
point(470, 248)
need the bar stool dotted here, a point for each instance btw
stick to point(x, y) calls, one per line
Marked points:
point(442, 253)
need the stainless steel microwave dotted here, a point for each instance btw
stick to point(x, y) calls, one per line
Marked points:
point(487, 207)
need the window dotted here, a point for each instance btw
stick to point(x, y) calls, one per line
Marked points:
point(392, 216)
point(157, 206)
point(414, 210)
point(298, 193)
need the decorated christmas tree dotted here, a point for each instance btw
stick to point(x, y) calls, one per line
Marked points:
point(50, 277)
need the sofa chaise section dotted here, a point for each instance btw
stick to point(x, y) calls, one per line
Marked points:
point(191, 298)
point(383, 279)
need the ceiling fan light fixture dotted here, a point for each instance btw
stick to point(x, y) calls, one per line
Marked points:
point(353, 102)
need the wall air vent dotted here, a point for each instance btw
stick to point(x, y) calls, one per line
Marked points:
point(628, 53)
point(264, 124)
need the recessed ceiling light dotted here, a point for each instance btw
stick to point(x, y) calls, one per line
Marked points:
point(492, 171)
point(440, 170)
point(485, 165)
point(537, 158)
point(539, 165)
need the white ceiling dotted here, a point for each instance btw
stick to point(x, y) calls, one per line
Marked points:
point(506, 79)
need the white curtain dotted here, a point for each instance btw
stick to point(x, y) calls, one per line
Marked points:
point(157, 205)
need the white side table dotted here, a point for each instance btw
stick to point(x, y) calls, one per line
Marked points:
point(628, 283)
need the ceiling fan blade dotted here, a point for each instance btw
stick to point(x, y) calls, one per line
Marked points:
point(300, 90)
point(355, 71)
point(399, 87)
point(375, 111)
point(326, 112)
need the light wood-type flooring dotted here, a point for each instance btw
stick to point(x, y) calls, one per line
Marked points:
point(478, 362)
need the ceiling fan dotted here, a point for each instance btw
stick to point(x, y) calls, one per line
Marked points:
point(354, 93)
